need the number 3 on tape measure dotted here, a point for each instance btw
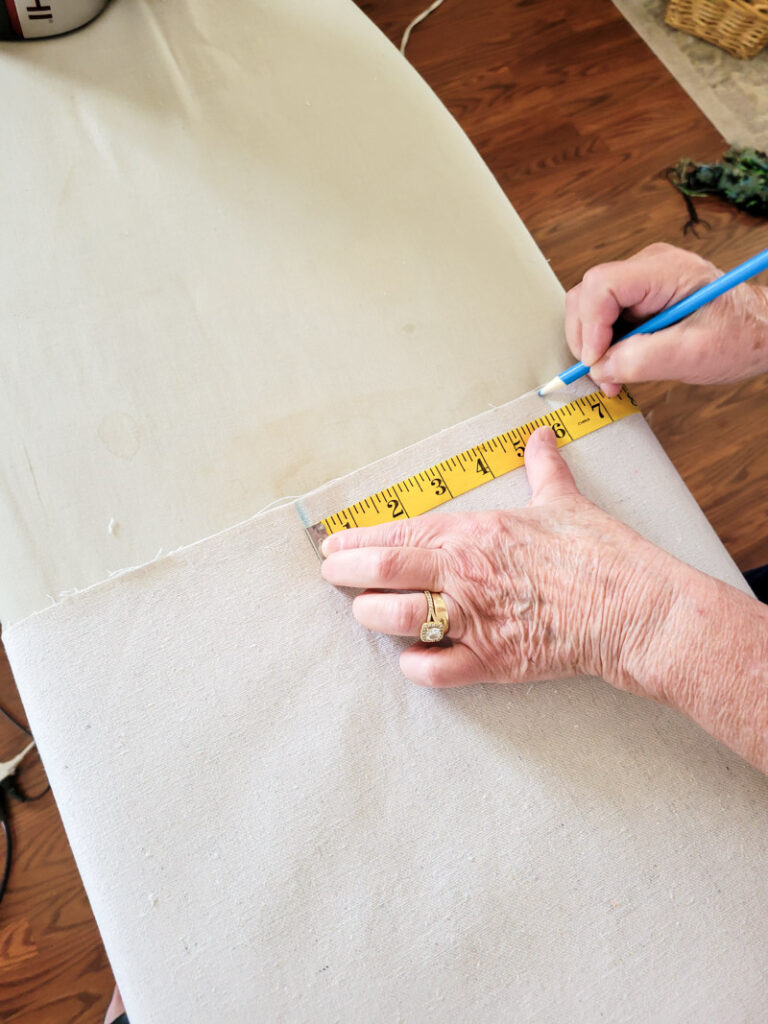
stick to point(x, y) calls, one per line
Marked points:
point(469, 469)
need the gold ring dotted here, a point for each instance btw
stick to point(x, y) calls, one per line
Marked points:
point(436, 626)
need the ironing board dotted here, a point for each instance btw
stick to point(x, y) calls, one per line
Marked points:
point(251, 253)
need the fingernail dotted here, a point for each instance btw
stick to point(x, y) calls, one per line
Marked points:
point(324, 547)
point(605, 370)
point(542, 434)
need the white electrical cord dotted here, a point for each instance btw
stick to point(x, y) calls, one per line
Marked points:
point(417, 20)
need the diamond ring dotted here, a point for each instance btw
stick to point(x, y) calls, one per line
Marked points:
point(436, 626)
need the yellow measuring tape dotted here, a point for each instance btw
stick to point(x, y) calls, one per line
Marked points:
point(477, 465)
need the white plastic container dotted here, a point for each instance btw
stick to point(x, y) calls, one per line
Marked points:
point(38, 19)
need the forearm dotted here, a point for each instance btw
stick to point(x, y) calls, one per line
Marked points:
point(709, 660)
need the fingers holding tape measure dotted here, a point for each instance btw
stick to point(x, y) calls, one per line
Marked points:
point(421, 531)
point(390, 568)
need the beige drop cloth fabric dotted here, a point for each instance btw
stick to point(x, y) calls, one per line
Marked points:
point(273, 825)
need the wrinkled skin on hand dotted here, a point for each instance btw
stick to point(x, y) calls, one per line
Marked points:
point(557, 588)
point(726, 340)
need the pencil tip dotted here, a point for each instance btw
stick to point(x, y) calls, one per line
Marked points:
point(553, 385)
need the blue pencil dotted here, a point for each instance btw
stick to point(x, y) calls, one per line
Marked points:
point(674, 314)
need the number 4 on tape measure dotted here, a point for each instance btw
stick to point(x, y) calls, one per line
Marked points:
point(469, 469)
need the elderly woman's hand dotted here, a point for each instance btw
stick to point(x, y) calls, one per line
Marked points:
point(725, 340)
point(554, 589)
point(560, 588)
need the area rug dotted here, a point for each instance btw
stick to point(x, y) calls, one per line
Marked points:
point(732, 93)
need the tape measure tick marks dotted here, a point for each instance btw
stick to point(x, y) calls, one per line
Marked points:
point(486, 461)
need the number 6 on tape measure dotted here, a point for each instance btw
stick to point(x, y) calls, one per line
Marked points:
point(469, 469)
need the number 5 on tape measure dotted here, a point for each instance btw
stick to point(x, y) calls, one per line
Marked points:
point(469, 469)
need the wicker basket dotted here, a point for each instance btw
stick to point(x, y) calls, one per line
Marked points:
point(738, 26)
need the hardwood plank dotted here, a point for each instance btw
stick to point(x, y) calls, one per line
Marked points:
point(577, 120)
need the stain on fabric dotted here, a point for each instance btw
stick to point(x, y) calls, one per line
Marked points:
point(121, 434)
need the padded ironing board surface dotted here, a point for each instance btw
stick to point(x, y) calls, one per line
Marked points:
point(246, 250)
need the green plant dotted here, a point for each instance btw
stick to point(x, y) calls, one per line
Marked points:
point(741, 178)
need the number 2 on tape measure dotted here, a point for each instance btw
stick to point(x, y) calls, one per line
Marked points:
point(457, 474)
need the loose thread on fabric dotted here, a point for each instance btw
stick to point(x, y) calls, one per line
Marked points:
point(417, 21)
point(113, 573)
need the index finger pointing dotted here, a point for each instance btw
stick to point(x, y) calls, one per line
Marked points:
point(422, 531)
point(392, 568)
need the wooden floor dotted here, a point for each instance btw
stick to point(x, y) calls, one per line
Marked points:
point(577, 120)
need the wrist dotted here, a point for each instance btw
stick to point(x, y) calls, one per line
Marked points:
point(705, 653)
point(645, 600)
